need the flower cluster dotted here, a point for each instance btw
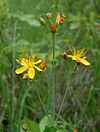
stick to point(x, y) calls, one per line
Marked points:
point(51, 23)
point(30, 64)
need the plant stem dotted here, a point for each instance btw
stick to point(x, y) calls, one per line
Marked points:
point(64, 97)
point(55, 3)
point(45, 110)
point(63, 100)
point(53, 45)
point(53, 77)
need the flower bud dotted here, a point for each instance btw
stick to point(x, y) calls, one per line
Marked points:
point(78, 62)
point(49, 15)
point(43, 65)
point(64, 55)
point(42, 21)
point(63, 16)
point(18, 61)
point(25, 77)
point(62, 20)
point(58, 18)
point(53, 27)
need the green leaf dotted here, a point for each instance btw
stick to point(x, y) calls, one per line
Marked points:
point(61, 130)
point(29, 126)
point(54, 63)
point(44, 122)
point(50, 129)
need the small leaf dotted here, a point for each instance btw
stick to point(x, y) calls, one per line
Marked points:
point(61, 129)
point(50, 129)
point(54, 63)
point(29, 126)
point(44, 122)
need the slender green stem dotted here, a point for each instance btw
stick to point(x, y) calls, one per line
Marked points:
point(56, 4)
point(54, 36)
point(64, 97)
point(62, 104)
point(63, 100)
point(47, 27)
point(53, 77)
point(45, 110)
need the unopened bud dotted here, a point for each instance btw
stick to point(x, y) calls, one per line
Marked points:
point(43, 65)
point(53, 27)
point(63, 16)
point(78, 62)
point(62, 20)
point(49, 15)
point(64, 55)
point(42, 21)
point(58, 18)
point(18, 61)
point(25, 77)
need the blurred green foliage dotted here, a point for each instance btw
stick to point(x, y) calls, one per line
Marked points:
point(21, 34)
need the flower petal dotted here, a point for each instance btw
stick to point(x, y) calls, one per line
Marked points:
point(74, 52)
point(20, 70)
point(81, 53)
point(31, 72)
point(37, 62)
point(83, 61)
point(37, 68)
point(24, 62)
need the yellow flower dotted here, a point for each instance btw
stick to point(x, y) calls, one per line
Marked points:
point(79, 56)
point(29, 65)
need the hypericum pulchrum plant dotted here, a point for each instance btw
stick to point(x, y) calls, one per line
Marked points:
point(31, 65)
